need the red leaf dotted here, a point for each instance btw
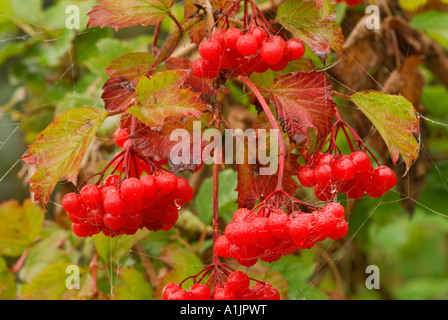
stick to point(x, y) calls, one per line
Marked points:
point(128, 13)
point(304, 106)
point(124, 72)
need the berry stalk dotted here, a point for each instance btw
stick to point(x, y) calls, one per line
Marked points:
point(273, 122)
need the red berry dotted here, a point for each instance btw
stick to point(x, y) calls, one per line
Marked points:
point(200, 291)
point(324, 193)
point(246, 294)
point(199, 67)
point(81, 230)
point(219, 35)
point(246, 45)
point(325, 223)
point(113, 202)
point(223, 292)
point(149, 185)
point(335, 208)
point(294, 49)
point(323, 174)
point(361, 160)
point(343, 168)
point(259, 34)
point(170, 287)
point(340, 230)
point(210, 49)
point(299, 227)
point(222, 246)
point(279, 66)
point(237, 281)
point(121, 136)
point(278, 225)
point(184, 192)
point(268, 293)
point(306, 176)
point(71, 202)
point(240, 233)
point(112, 180)
point(272, 51)
point(166, 182)
point(231, 37)
point(241, 214)
point(91, 195)
point(134, 220)
point(179, 294)
point(132, 189)
point(114, 222)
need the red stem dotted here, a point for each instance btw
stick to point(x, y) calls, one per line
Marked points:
point(273, 122)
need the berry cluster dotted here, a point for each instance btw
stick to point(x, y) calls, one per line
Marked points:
point(351, 174)
point(269, 234)
point(123, 206)
point(245, 52)
point(237, 287)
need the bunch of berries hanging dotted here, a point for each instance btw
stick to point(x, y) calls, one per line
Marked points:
point(244, 52)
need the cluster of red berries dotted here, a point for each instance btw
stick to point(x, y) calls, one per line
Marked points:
point(245, 53)
point(123, 206)
point(269, 234)
point(351, 174)
point(237, 287)
point(350, 2)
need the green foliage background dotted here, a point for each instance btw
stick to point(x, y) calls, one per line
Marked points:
point(47, 69)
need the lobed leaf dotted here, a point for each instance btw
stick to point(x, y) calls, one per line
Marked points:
point(161, 97)
point(314, 24)
point(59, 149)
point(128, 13)
point(304, 106)
point(395, 119)
point(124, 73)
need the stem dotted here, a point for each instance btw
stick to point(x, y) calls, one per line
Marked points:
point(216, 161)
point(274, 125)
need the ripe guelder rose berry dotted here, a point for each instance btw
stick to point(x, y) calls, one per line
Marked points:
point(351, 174)
point(124, 206)
point(237, 287)
point(244, 52)
point(268, 234)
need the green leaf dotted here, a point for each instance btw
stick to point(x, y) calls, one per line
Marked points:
point(110, 249)
point(314, 26)
point(59, 150)
point(135, 286)
point(19, 226)
point(50, 284)
point(7, 282)
point(395, 119)
point(434, 23)
point(161, 97)
point(227, 195)
point(128, 13)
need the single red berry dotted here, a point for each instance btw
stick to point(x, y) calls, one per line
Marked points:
point(279, 66)
point(198, 68)
point(94, 216)
point(339, 231)
point(343, 168)
point(71, 202)
point(246, 294)
point(361, 160)
point(134, 220)
point(258, 64)
point(272, 51)
point(166, 182)
point(238, 280)
point(294, 49)
point(223, 292)
point(299, 228)
point(113, 203)
point(335, 208)
point(210, 49)
point(183, 192)
point(149, 184)
point(241, 214)
point(278, 225)
point(114, 222)
point(268, 293)
point(170, 287)
point(270, 256)
point(325, 223)
point(121, 136)
point(111, 180)
point(323, 174)
point(200, 291)
point(179, 294)
point(81, 230)
point(246, 45)
point(132, 189)
point(231, 37)
point(306, 176)
point(219, 35)
point(91, 195)
point(240, 233)
point(259, 34)
point(222, 246)
point(324, 193)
